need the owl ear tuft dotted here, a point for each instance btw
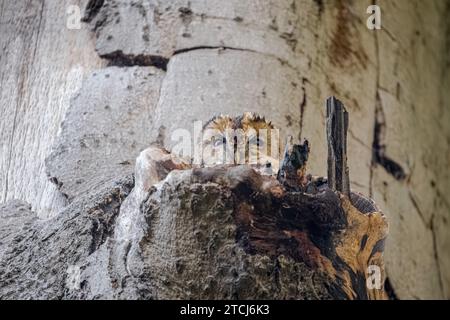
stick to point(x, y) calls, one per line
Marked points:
point(248, 115)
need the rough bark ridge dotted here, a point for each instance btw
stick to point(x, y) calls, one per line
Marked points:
point(263, 56)
point(42, 260)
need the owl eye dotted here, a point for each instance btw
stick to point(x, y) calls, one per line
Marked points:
point(256, 141)
point(261, 142)
point(219, 142)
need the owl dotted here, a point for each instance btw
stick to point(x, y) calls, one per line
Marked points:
point(247, 139)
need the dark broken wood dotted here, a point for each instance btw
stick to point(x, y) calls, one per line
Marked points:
point(292, 172)
point(337, 126)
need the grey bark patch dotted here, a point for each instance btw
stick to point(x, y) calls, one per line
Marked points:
point(15, 220)
point(105, 128)
point(45, 258)
point(159, 29)
point(43, 62)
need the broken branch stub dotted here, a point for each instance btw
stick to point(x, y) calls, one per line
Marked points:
point(337, 126)
point(292, 173)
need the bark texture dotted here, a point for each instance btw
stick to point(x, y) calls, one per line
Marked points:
point(43, 64)
point(173, 62)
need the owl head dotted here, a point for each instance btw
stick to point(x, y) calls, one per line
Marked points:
point(245, 139)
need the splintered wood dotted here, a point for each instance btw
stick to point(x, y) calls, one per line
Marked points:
point(292, 173)
point(337, 125)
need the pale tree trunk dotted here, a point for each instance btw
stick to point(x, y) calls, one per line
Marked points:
point(138, 70)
